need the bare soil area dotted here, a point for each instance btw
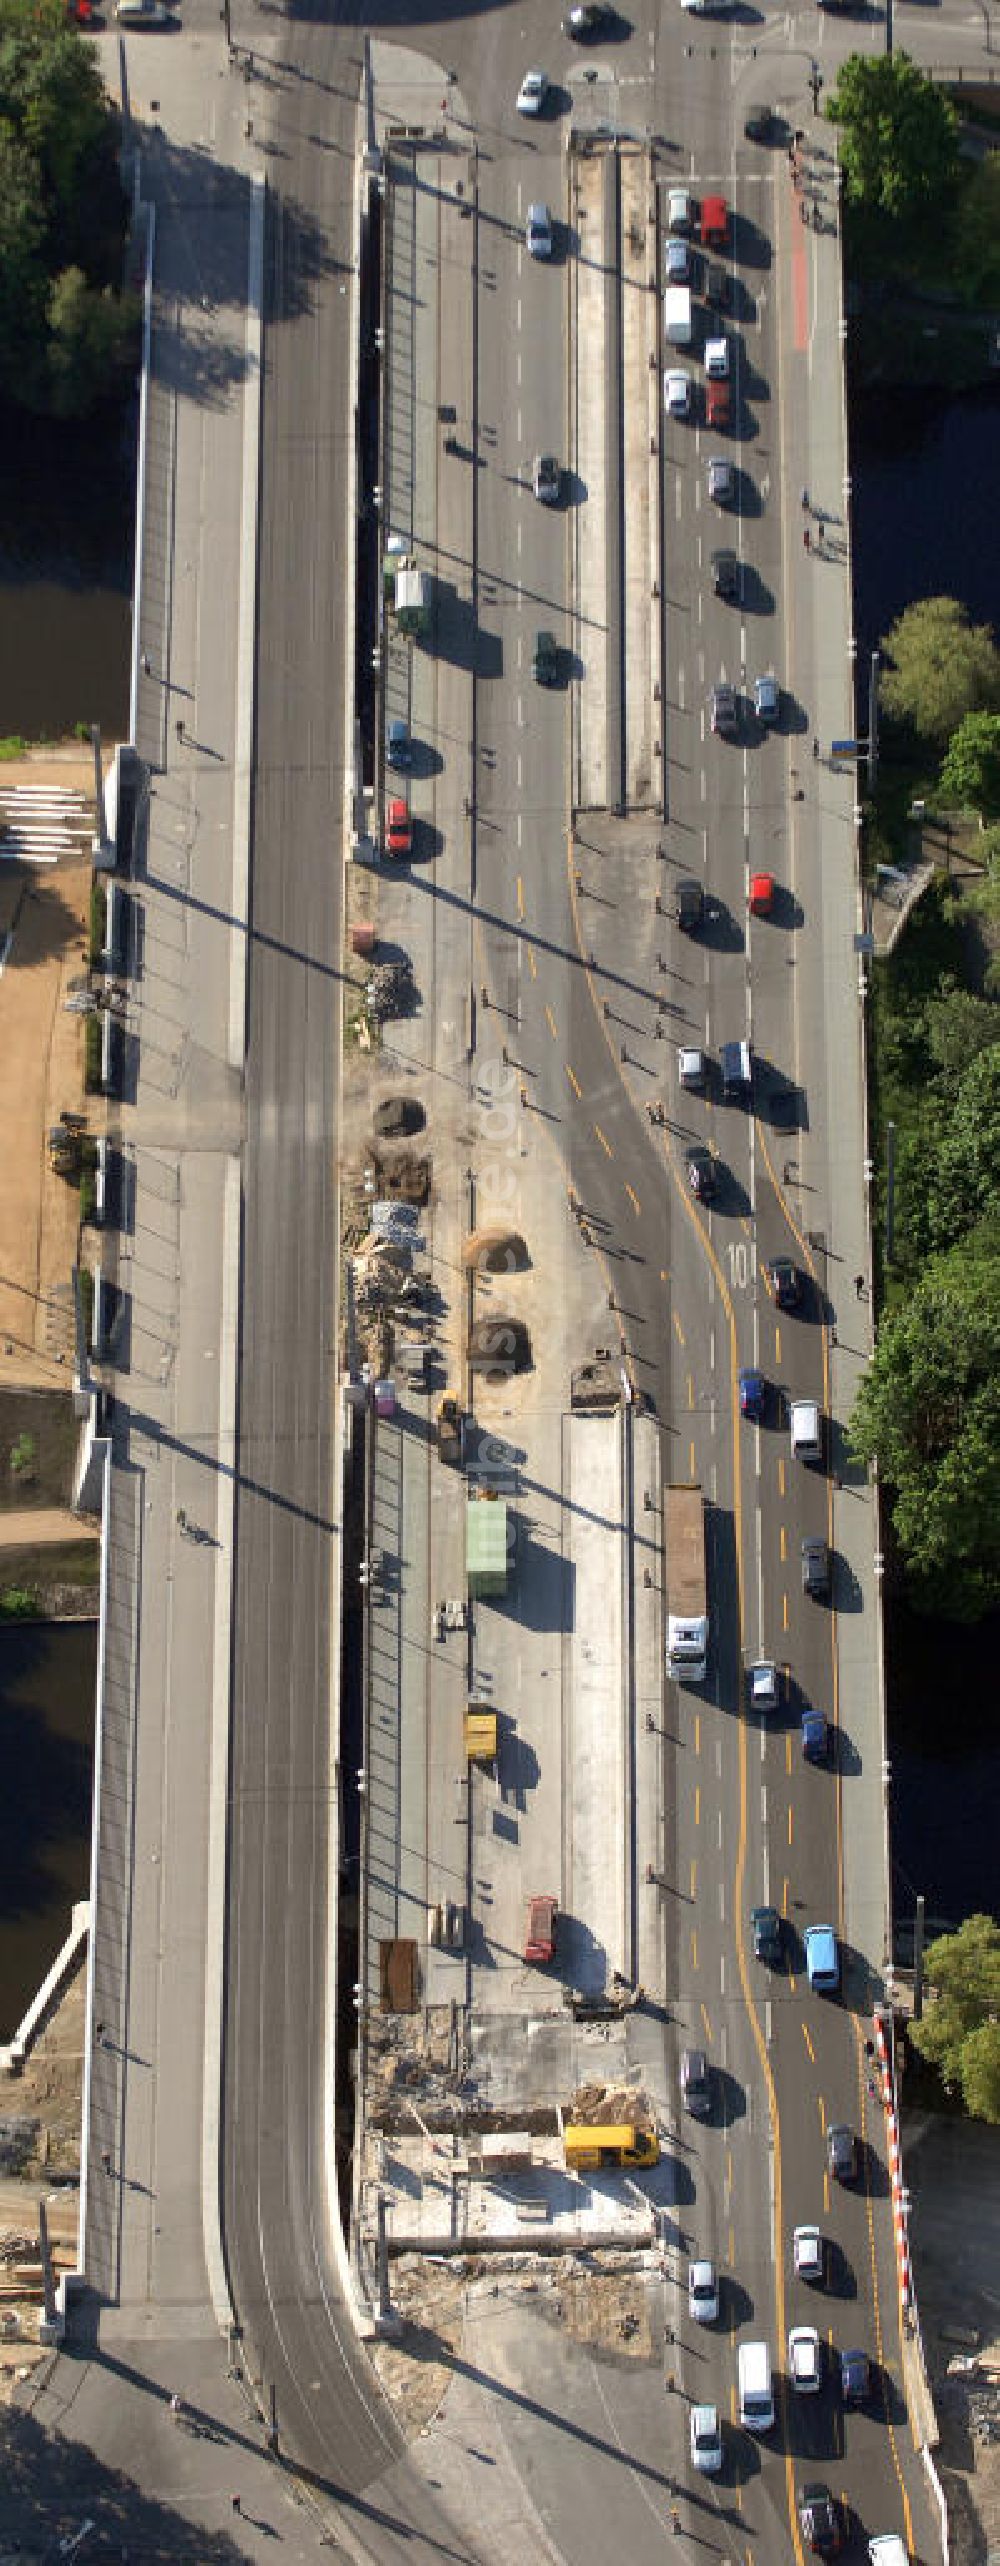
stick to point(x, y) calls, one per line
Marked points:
point(44, 912)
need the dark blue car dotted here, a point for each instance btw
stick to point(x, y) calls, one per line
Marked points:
point(815, 1737)
point(753, 1395)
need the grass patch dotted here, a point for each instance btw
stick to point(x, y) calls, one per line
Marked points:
point(18, 1603)
point(88, 1194)
point(38, 1437)
point(12, 748)
point(42, 1565)
point(98, 921)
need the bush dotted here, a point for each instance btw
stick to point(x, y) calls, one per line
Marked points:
point(86, 1301)
point(88, 1194)
point(98, 920)
point(18, 1603)
point(92, 1033)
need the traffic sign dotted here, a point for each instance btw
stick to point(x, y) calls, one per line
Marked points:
point(846, 748)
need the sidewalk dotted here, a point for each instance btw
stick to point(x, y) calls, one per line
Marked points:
point(105, 2406)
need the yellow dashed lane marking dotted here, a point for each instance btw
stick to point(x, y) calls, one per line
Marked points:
point(808, 2043)
point(573, 1080)
point(532, 964)
point(708, 2027)
point(678, 1330)
point(694, 1948)
point(551, 1023)
point(520, 897)
point(633, 1198)
point(697, 1803)
point(604, 1141)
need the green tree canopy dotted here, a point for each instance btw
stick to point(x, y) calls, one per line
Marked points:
point(958, 1027)
point(61, 209)
point(942, 667)
point(970, 767)
point(899, 137)
point(928, 1409)
point(977, 231)
point(960, 2030)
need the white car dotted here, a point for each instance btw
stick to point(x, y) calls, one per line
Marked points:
point(807, 2253)
point(766, 697)
point(762, 1680)
point(703, 2293)
point(533, 93)
point(805, 2359)
point(538, 231)
point(677, 392)
point(691, 1070)
point(717, 360)
point(706, 2440)
point(681, 210)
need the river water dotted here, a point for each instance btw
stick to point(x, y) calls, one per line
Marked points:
point(66, 509)
point(47, 1685)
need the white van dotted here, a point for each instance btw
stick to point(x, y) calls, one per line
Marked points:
point(804, 1427)
point(756, 2387)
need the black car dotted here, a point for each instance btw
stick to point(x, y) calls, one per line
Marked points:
point(785, 1283)
point(725, 574)
point(758, 123)
point(690, 905)
point(701, 1174)
point(855, 2378)
point(820, 2521)
point(718, 286)
point(815, 1566)
point(841, 2152)
point(765, 1925)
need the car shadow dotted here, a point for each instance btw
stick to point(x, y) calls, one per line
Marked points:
point(758, 598)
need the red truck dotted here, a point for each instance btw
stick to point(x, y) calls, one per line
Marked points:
point(540, 1939)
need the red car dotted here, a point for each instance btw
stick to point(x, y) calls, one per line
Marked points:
point(717, 405)
point(398, 833)
point(761, 895)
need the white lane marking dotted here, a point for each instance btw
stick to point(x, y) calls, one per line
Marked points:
point(718, 1758)
point(722, 1975)
point(711, 1349)
point(767, 2021)
point(520, 430)
point(722, 1897)
point(763, 1805)
point(720, 1830)
point(520, 770)
point(770, 2186)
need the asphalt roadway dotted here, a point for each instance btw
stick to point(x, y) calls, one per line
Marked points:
point(691, 1308)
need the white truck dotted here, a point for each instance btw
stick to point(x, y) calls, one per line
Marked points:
point(687, 1602)
point(678, 326)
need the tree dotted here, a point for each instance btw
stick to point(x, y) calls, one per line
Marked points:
point(61, 208)
point(960, 2031)
point(91, 337)
point(958, 1027)
point(899, 139)
point(970, 767)
point(976, 263)
point(942, 667)
point(928, 1409)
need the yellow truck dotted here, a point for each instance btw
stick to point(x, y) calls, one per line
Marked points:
point(593, 2148)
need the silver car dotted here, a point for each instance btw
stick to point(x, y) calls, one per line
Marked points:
point(721, 480)
point(703, 2293)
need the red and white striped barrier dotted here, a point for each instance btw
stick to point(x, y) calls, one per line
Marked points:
point(900, 2204)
